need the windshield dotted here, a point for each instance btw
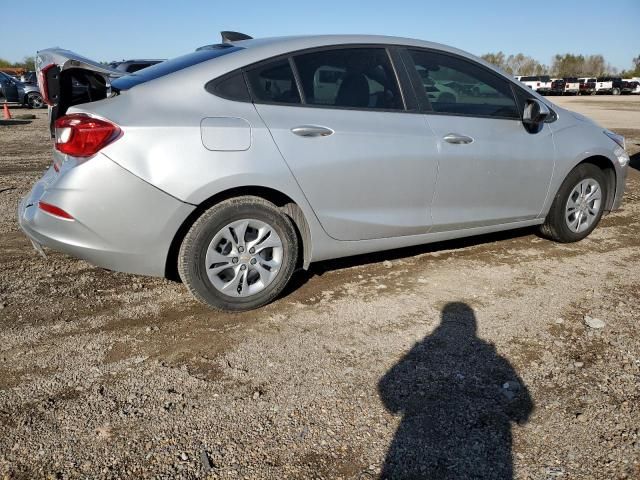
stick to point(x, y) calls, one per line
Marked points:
point(171, 66)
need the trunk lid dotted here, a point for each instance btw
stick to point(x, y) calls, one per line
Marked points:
point(66, 79)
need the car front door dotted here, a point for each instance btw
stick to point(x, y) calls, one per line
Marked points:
point(365, 163)
point(491, 169)
point(9, 88)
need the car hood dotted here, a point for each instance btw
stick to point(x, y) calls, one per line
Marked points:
point(582, 118)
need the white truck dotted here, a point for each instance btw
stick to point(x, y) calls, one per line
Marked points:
point(571, 85)
point(538, 83)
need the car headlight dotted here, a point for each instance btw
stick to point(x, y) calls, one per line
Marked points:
point(619, 139)
point(622, 156)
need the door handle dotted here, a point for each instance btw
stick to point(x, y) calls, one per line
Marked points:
point(457, 139)
point(312, 131)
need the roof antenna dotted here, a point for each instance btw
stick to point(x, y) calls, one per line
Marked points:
point(228, 37)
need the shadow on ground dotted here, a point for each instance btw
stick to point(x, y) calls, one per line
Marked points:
point(458, 399)
point(635, 161)
point(14, 122)
point(320, 268)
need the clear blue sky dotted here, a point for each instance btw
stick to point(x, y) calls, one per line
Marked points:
point(117, 29)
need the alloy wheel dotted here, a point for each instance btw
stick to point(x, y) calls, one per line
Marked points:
point(583, 205)
point(244, 257)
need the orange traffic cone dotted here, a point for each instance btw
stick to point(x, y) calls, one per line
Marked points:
point(6, 113)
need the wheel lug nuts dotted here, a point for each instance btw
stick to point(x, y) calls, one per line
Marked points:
point(252, 250)
point(243, 267)
point(253, 261)
point(241, 249)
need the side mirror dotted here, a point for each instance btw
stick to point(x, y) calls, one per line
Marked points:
point(535, 112)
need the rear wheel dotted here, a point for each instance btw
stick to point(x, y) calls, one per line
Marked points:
point(239, 255)
point(578, 205)
point(34, 100)
point(616, 91)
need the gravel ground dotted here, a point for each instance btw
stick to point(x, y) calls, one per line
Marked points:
point(505, 356)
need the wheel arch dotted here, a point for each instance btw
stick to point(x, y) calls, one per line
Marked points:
point(607, 166)
point(285, 203)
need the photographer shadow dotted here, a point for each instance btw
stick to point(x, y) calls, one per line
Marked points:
point(458, 399)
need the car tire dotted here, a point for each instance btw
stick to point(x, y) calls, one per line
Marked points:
point(569, 204)
point(221, 266)
point(615, 91)
point(34, 100)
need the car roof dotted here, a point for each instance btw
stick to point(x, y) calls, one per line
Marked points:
point(291, 43)
point(273, 46)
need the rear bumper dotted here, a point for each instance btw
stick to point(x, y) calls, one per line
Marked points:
point(119, 221)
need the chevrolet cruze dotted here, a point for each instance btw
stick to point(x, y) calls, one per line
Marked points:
point(234, 165)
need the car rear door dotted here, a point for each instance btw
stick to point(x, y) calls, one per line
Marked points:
point(365, 161)
point(491, 170)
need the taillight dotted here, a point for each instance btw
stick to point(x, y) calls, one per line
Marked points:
point(83, 136)
point(53, 210)
point(42, 83)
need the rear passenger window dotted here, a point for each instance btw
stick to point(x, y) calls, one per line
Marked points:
point(460, 87)
point(349, 77)
point(273, 83)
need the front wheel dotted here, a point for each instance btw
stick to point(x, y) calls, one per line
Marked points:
point(34, 100)
point(616, 91)
point(239, 255)
point(578, 205)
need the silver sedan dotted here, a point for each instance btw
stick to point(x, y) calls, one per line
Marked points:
point(233, 166)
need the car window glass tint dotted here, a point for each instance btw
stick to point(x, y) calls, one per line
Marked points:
point(459, 87)
point(350, 78)
point(171, 66)
point(273, 83)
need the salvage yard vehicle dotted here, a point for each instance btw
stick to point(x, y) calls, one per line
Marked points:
point(587, 86)
point(537, 83)
point(132, 66)
point(557, 86)
point(630, 86)
point(15, 92)
point(609, 85)
point(571, 85)
point(247, 175)
point(29, 78)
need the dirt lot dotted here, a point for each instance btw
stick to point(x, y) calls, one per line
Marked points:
point(472, 357)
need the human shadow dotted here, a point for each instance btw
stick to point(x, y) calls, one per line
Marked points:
point(458, 398)
point(634, 160)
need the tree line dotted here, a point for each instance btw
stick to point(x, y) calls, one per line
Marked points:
point(565, 65)
point(27, 63)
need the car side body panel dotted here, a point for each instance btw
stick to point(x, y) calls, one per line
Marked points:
point(163, 153)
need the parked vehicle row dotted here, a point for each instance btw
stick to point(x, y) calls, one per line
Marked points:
point(545, 85)
point(24, 90)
